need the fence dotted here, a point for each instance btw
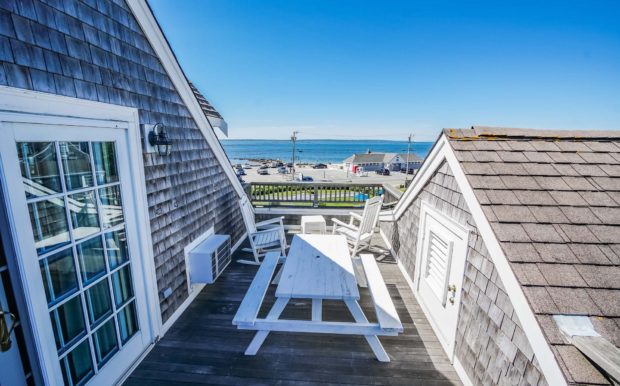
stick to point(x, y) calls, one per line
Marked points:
point(304, 194)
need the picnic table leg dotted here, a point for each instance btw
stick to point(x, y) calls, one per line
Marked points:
point(372, 340)
point(260, 336)
point(317, 310)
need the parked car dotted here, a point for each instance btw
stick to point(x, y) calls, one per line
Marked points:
point(240, 172)
point(319, 166)
point(383, 172)
point(263, 171)
point(263, 167)
point(410, 171)
point(276, 164)
point(246, 166)
point(282, 170)
point(289, 165)
point(302, 178)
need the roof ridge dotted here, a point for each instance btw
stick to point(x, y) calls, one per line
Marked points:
point(492, 133)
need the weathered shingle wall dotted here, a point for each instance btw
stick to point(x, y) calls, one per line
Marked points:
point(96, 50)
point(490, 343)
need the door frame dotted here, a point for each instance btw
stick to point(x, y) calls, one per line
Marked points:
point(462, 232)
point(25, 106)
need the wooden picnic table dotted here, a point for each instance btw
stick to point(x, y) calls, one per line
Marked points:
point(318, 267)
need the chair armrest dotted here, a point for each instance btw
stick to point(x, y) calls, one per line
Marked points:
point(357, 216)
point(274, 220)
point(342, 224)
point(270, 230)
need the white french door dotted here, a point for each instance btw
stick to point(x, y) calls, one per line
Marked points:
point(442, 249)
point(71, 199)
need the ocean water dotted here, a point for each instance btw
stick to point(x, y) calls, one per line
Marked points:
point(311, 151)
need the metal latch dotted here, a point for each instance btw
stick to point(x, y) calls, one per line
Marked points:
point(452, 288)
point(5, 330)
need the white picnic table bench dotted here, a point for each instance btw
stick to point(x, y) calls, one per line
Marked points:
point(318, 267)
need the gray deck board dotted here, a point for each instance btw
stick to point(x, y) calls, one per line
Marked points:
point(203, 347)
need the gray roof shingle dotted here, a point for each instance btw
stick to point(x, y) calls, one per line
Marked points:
point(553, 200)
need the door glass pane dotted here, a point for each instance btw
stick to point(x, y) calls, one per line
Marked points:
point(111, 206)
point(121, 284)
point(116, 245)
point(73, 193)
point(92, 258)
point(39, 168)
point(105, 341)
point(58, 274)
point(127, 322)
point(99, 303)
point(68, 322)
point(84, 217)
point(79, 363)
point(104, 155)
point(49, 224)
point(75, 158)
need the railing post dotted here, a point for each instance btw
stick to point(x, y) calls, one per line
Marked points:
point(315, 200)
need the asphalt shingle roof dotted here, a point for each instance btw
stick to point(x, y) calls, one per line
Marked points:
point(553, 200)
point(368, 157)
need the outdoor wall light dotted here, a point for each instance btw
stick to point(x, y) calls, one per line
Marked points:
point(158, 138)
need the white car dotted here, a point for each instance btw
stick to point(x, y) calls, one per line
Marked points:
point(282, 170)
point(263, 172)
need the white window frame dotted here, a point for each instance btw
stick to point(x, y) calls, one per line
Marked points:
point(25, 106)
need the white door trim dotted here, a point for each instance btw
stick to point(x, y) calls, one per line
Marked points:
point(24, 106)
point(462, 233)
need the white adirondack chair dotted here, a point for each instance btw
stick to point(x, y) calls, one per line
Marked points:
point(359, 235)
point(265, 236)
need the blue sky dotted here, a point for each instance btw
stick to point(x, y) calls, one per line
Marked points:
point(347, 69)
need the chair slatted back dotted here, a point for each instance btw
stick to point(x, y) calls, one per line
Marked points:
point(248, 214)
point(370, 216)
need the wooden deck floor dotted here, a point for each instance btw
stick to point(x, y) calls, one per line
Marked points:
point(203, 347)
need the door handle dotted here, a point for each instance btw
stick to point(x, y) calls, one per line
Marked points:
point(452, 288)
point(5, 330)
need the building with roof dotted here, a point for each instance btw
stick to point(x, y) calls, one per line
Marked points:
point(94, 277)
point(510, 239)
point(377, 161)
point(504, 252)
point(399, 161)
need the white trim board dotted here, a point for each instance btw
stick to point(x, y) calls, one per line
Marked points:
point(440, 152)
point(156, 38)
point(548, 363)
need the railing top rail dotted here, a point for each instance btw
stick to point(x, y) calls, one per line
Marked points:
point(296, 183)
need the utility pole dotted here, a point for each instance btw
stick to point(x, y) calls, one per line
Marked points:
point(407, 167)
point(294, 139)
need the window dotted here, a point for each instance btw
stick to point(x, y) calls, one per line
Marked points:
point(75, 205)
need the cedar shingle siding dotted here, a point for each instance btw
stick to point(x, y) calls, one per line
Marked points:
point(96, 50)
point(490, 343)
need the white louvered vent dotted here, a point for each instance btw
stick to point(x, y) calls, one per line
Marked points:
point(438, 260)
